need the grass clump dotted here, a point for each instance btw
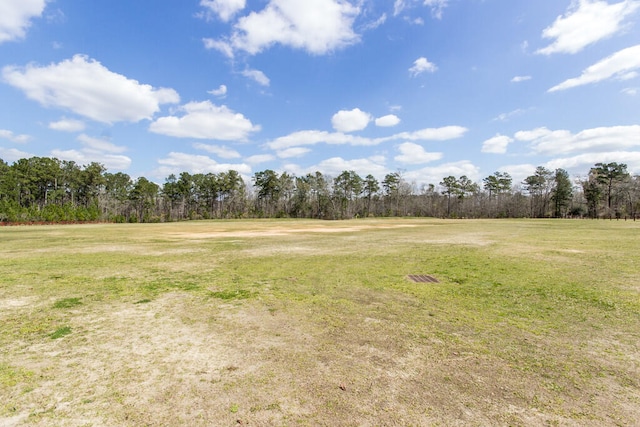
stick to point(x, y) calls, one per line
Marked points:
point(67, 303)
point(231, 294)
point(60, 332)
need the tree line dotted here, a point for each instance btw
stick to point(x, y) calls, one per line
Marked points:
point(52, 190)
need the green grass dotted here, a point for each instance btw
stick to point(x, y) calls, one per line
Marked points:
point(60, 332)
point(532, 322)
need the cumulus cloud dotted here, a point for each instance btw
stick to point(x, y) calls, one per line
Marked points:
point(221, 46)
point(498, 144)
point(316, 26)
point(13, 154)
point(98, 150)
point(67, 125)
point(430, 134)
point(334, 166)
point(99, 145)
point(293, 152)
point(350, 120)
point(225, 9)
point(621, 65)
point(219, 150)
point(257, 76)
point(20, 139)
point(312, 137)
point(434, 174)
point(194, 163)
point(601, 139)
point(204, 120)
point(582, 162)
point(422, 65)
point(89, 89)
point(586, 22)
point(414, 154)
point(387, 121)
point(15, 17)
point(84, 156)
point(221, 92)
point(259, 158)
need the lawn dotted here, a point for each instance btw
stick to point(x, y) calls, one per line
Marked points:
point(301, 322)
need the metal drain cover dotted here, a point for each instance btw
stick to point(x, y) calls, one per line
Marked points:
point(422, 278)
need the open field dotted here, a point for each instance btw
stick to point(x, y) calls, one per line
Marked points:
point(302, 322)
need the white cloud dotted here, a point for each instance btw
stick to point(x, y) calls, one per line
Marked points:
point(503, 117)
point(16, 15)
point(414, 154)
point(20, 139)
point(336, 165)
point(99, 145)
point(422, 65)
point(585, 23)
point(583, 162)
point(192, 163)
point(498, 144)
point(87, 88)
point(621, 64)
point(225, 9)
point(219, 150)
point(430, 134)
point(312, 137)
point(293, 152)
point(221, 92)
point(437, 6)
point(83, 157)
point(519, 172)
point(387, 121)
point(434, 174)
point(631, 91)
point(601, 139)
point(204, 120)
point(375, 24)
point(259, 158)
point(12, 154)
point(316, 26)
point(350, 120)
point(258, 76)
point(220, 45)
point(67, 125)
point(518, 79)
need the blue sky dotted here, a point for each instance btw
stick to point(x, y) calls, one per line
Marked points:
point(428, 88)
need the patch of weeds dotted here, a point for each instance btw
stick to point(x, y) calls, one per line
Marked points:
point(143, 301)
point(67, 303)
point(60, 332)
point(165, 285)
point(234, 408)
point(232, 294)
point(11, 376)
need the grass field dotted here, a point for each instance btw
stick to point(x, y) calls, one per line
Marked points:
point(296, 322)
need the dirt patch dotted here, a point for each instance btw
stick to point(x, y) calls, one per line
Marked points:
point(281, 231)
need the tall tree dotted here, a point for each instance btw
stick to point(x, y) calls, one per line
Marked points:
point(451, 188)
point(539, 186)
point(562, 193)
point(370, 188)
point(609, 176)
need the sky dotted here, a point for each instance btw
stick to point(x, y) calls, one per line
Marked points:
point(426, 88)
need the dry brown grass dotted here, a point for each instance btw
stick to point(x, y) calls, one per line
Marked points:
point(307, 323)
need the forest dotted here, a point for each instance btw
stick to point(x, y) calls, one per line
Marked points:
point(44, 189)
